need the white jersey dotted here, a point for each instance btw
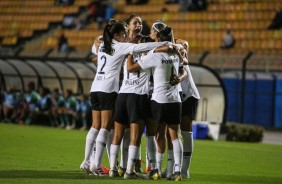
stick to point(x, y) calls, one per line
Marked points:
point(109, 66)
point(188, 86)
point(164, 65)
point(135, 82)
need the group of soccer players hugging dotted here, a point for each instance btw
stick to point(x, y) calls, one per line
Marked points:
point(157, 92)
point(45, 107)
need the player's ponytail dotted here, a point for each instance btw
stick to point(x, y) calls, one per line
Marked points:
point(113, 27)
point(165, 34)
point(108, 36)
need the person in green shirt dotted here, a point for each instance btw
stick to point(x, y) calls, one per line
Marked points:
point(70, 109)
point(31, 99)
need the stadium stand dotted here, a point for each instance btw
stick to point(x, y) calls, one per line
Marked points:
point(23, 20)
point(248, 21)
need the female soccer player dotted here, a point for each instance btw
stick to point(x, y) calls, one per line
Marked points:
point(105, 86)
point(190, 97)
point(131, 105)
point(166, 102)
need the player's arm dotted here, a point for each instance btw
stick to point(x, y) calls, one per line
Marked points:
point(97, 42)
point(131, 66)
point(184, 52)
point(94, 59)
point(169, 48)
point(182, 73)
point(184, 43)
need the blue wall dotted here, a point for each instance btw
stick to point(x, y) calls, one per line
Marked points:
point(262, 102)
point(278, 103)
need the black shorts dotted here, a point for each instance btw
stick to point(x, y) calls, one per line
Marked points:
point(103, 101)
point(131, 107)
point(169, 113)
point(189, 107)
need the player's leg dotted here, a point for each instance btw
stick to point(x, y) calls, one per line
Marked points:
point(92, 133)
point(161, 145)
point(107, 105)
point(124, 151)
point(109, 142)
point(136, 130)
point(90, 141)
point(177, 151)
point(156, 140)
point(188, 114)
point(173, 119)
point(101, 141)
point(119, 130)
point(151, 129)
point(170, 158)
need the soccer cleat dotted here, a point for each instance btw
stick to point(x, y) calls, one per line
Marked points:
point(153, 174)
point(85, 166)
point(99, 171)
point(106, 170)
point(147, 169)
point(176, 176)
point(121, 171)
point(137, 166)
point(113, 173)
point(132, 175)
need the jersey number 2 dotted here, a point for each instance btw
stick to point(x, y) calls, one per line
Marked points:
point(105, 60)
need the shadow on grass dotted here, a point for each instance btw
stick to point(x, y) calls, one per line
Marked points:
point(229, 178)
point(196, 177)
point(44, 174)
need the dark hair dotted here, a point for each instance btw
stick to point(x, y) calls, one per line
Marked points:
point(31, 85)
point(128, 19)
point(56, 90)
point(69, 92)
point(112, 27)
point(166, 34)
point(45, 90)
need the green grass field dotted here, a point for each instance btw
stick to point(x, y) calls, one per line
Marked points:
point(31, 154)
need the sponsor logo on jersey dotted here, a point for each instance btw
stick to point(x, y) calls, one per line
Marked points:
point(169, 61)
point(132, 82)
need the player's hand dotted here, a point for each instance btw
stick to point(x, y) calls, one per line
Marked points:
point(174, 80)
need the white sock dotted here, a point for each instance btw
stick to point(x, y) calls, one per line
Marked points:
point(109, 142)
point(160, 157)
point(93, 154)
point(89, 143)
point(188, 146)
point(170, 162)
point(178, 153)
point(124, 148)
point(151, 151)
point(147, 159)
point(133, 152)
point(114, 156)
point(101, 140)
